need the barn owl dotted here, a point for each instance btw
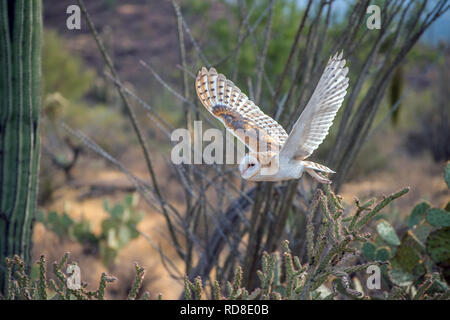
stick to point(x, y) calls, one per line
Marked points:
point(287, 153)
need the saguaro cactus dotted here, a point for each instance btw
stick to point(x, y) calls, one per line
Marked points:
point(20, 105)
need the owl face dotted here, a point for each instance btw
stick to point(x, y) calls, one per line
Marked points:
point(249, 167)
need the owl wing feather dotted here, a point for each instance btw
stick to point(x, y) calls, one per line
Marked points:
point(223, 99)
point(312, 126)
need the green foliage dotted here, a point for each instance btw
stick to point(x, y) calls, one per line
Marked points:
point(65, 227)
point(196, 7)
point(118, 229)
point(223, 37)
point(66, 80)
point(62, 70)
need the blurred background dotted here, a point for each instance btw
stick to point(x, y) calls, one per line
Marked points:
point(91, 209)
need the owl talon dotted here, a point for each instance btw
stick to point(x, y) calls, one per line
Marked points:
point(318, 177)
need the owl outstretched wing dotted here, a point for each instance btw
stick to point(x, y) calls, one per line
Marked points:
point(223, 99)
point(316, 119)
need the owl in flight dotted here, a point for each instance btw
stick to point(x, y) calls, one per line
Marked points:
point(286, 153)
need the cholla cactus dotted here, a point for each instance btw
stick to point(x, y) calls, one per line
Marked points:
point(327, 271)
point(23, 287)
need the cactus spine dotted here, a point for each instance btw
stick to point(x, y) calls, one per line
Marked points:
point(20, 105)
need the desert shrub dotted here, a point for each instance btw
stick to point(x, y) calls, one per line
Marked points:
point(66, 81)
point(118, 229)
point(63, 71)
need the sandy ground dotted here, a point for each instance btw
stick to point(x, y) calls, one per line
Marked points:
point(424, 178)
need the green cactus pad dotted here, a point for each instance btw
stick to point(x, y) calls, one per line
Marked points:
point(411, 240)
point(400, 277)
point(387, 232)
point(408, 255)
point(438, 217)
point(383, 254)
point(407, 258)
point(438, 245)
point(418, 213)
point(422, 230)
point(368, 250)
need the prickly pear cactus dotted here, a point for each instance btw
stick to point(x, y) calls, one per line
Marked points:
point(418, 213)
point(424, 248)
point(387, 233)
point(438, 217)
point(438, 247)
point(119, 229)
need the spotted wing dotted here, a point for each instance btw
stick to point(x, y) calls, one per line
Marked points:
point(223, 99)
point(313, 124)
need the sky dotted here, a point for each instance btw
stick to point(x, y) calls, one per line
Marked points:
point(438, 31)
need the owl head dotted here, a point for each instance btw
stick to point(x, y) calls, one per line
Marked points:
point(249, 166)
point(257, 166)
